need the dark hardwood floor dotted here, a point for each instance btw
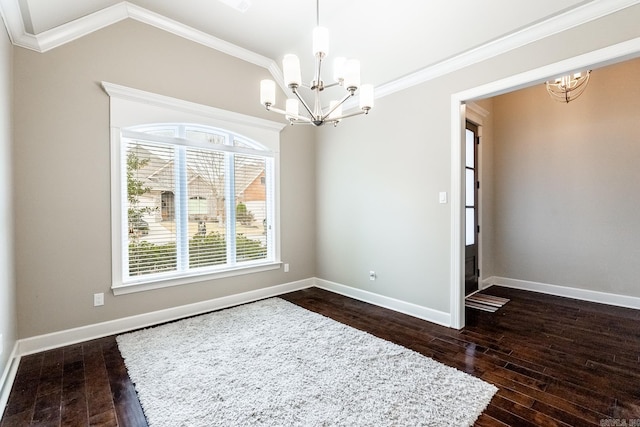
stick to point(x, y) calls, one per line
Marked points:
point(556, 362)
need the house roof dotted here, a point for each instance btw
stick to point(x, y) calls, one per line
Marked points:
point(158, 171)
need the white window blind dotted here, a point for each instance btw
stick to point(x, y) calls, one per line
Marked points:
point(151, 238)
point(195, 201)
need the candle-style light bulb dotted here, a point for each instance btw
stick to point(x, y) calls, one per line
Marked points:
point(267, 92)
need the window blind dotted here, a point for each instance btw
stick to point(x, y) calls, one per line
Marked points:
point(196, 200)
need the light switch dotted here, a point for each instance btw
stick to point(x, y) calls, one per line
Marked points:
point(442, 197)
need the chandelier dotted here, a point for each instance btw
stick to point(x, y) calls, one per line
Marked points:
point(569, 87)
point(346, 74)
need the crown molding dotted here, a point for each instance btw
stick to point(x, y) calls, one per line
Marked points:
point(55, 37)
point(12, 17)
point(554, 25)
point(58, 36)
point(63, 34)
point(162, 22)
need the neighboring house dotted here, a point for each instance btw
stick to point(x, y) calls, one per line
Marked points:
point(205, 191)
point(254, 196)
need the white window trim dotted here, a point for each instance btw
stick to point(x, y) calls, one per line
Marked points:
point(133, 107)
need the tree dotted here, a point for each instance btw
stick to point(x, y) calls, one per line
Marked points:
point(140, 261)
point(135, 189)
point(244, 216)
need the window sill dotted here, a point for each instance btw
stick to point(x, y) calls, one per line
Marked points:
point(147, 285)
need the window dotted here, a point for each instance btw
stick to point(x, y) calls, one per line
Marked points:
point(190, 201)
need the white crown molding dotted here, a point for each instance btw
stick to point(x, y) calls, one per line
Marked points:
point(10, 11)
point(598, 58)
point(81, 27)
point(151, 18)
point(12, 17)
point(554, 25)
point(58, 36)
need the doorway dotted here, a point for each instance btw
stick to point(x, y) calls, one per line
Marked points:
point(472, 228)
point(167, 199)
point(597, 58)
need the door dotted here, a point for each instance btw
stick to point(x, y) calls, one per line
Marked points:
point(167, 199)
point(472, 228)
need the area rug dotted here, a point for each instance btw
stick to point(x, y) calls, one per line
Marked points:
point(485, 302)
point(273, 363)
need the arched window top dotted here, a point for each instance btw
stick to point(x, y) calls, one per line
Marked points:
point(201, 134)
point(131, 108)
point(180, 172)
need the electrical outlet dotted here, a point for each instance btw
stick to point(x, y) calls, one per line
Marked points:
point(286, 268)
point(98, 299)
point(372, 275)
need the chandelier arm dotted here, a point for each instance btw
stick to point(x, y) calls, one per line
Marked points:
point(295, 117)
point(332, 85)
point(346, 116)
point(275, 110)
point(295, 91)
point(342, 101)
point(301, 121)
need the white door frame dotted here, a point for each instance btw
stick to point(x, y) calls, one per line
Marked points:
point(591, 60)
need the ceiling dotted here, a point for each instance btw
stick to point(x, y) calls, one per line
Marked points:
point(392, 39)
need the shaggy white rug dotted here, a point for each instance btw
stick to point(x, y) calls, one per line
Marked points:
point(274, 363)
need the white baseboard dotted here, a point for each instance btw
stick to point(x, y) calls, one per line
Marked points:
point(66, 337)
point(98, 330)
point(8, 376)
point(58, 339)
point(414, 310)
point(45, 342)
point(484, 284)
point(565, 291)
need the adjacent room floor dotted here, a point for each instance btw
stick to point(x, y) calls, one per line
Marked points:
point(556, 361)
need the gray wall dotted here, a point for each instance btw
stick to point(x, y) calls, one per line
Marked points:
point(8, 322)
point(567, 184)
point(360, 197)
point(61, 171)
point(379, 176)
